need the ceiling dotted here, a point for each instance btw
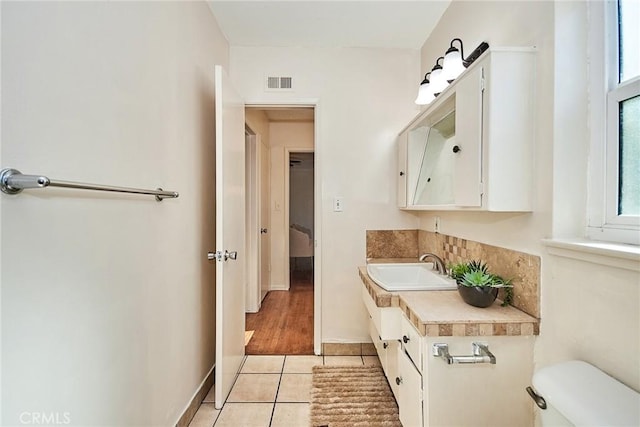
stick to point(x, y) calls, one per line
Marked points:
point(328, 23)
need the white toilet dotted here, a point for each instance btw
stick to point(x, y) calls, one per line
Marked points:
point(576, 393)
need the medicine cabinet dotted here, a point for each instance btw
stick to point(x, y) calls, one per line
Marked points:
point(472, 148)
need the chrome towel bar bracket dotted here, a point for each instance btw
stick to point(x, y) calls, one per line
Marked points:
point(12, 181)
point(481, 354)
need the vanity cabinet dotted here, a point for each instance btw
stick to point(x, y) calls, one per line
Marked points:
point(472, 148)
point(431, 392)
point(479, 394)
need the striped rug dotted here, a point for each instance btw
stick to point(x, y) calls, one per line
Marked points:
point(344, 396)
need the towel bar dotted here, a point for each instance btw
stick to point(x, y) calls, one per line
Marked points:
point(12, 181)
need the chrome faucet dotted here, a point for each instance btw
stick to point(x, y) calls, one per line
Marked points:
point(437, 262)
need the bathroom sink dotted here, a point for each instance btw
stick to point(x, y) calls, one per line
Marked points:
point(409, 277)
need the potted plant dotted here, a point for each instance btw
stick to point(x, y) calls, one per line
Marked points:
point(477, 286)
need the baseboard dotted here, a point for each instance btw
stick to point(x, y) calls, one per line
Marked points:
point(348, 349)
point(196, 400)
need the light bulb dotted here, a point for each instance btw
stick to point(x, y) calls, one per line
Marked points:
point(452, 65)
point(425, 94)
point(438, 82)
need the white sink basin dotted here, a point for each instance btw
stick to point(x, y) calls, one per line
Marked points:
point(409, 277)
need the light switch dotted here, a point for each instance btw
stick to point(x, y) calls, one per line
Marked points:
point(338, 204)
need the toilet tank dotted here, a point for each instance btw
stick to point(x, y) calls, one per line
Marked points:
point(579, 394)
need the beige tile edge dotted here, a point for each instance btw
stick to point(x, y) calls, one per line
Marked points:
point(192, 407)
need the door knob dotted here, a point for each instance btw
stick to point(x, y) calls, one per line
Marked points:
point(222, 256)
point(263, 231)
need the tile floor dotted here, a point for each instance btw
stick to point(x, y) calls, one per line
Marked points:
point(270, 391)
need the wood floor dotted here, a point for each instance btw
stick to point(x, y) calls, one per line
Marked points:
point(284, 324)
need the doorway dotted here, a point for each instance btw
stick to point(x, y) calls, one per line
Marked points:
point(301, 208)
point(285, 322)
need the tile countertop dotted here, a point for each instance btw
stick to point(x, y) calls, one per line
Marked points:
point(443, 313)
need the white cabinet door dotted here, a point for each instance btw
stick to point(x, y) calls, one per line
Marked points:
point(402, 170)
point(411, 341)
point(409, 395)
point(468, 140)
point(391, 354)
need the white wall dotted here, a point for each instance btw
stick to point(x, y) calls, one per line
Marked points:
point(108, 300)
point(284, 136)
point(365, 97)
point(589, 311)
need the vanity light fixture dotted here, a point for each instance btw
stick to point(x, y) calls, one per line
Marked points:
point(425, 94)
point(453, 64)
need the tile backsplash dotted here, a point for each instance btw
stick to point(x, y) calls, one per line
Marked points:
point(392, 243)
point(523, 269)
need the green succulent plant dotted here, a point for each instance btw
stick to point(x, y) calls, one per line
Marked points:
point(476, 273)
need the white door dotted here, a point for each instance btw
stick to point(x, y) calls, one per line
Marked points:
point(230, 235)
point(265, 239)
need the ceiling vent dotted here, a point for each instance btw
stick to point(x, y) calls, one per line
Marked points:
point(273, 83)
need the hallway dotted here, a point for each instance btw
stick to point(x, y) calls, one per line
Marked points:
point(284, 324)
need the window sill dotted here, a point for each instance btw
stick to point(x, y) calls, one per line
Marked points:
point(609, 254)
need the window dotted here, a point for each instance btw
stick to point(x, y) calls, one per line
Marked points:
point(615, 201)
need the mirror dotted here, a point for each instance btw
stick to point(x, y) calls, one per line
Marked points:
point(435, 182)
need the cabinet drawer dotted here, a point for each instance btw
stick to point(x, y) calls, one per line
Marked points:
point(411, 341)
point(385, 319)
